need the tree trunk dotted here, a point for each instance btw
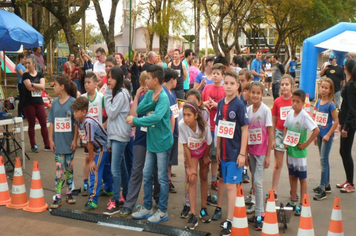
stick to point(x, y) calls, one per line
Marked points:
point(197, 5)
point(16, 8)
point(70, 36)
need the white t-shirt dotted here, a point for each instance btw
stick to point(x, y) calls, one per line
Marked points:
point(196, 143)
point(269, 66)
point(95, 108)
point(99, 67)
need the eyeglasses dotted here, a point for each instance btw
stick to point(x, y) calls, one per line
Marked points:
point(99, 56)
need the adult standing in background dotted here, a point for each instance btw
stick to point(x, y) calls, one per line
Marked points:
point(256, 67)
point(39, 59)
point(181, 70)
point(135, 73)
point(188, 55)
point(336, 74)
point(121, 63)
point(69, 66)
point(205, 77)
point(87, 66)
point(99, 65)
point(151, 59)
point(277, 73)
point(292, 66)
point(20, 69)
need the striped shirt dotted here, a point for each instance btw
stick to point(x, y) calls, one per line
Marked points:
point(94, 133)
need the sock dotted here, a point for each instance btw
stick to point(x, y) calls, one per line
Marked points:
point(293, 202)
point(229, 220)
point(85, 181)
point(213, 178)
point(253, 199)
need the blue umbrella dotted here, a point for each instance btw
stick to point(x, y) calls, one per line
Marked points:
point(14, 31)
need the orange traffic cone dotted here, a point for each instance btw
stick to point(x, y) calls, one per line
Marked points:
point(314, 113)
point(270, 224)
point(19, 197)
point(307, 104)
point(336, 228)
point(239, 222)
point(37, 201)
point(306, 222)
point(4, 187)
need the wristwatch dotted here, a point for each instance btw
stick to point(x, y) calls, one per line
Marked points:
point(32, 85)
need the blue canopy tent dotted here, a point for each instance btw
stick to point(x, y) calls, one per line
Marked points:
point(15, 32)
point(340, 38)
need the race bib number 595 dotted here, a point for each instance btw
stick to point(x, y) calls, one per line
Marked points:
point(63, 124)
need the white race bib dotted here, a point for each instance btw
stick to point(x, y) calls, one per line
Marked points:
point(82, 136)
point(321, 118)
point(93, 110)
point(195, 143)
point(226, 129)
point(255, 136)
point(292, 138)
point(293, 67)
point(143, 128)
point(36, 94)
point(88, 71)
point(103, 89)
point(175, 110)
point(178, 72)
point(284, 112)
point(62, 124)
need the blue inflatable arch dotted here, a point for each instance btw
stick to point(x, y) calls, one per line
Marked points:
point(316, 44)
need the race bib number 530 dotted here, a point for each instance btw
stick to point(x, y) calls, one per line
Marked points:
point(63, 124)
point(226, 129)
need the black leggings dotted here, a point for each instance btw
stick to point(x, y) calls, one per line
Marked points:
point(22, 91)
point(345, 152)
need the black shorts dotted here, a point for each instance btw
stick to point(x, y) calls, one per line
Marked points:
point(180, 94)
point(268, 79)
point(292, 74)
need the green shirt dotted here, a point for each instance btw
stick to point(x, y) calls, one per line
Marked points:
point(159, 133)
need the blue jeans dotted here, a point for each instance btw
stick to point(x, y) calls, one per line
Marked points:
point(77, 83)
point(118, 169)
point(275, 90)
point(161, 161)
point(324, 151)
point(129, 156)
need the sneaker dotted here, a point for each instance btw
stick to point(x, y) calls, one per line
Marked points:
point(268, 94)
point(250, 209)
point(217, 214)
point(105, 193)
point(298, 210)
point(158, 217)
point(185, 212)
point(248, 200)
point(258, 223)
point(212, 200)
point(89, 206)
point(34, 149)
point(328, 189)
point(251, 220)
point(204, 216)
point(215, 185)
point(192, 222)
point(125, 212)
point(57, 202)
point(47, 149)
point(348, 188)
point(121, 201)
point(142, 213)
point(172, 189)
point(317, 189)
point(321, 195)
point(85, 190)
point(70, 199)
point(342, 184)
point(112, 207)
point(245, 177)
point(226, 231)
point(293, 205)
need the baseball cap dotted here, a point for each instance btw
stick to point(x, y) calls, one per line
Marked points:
point(332, 56)
point(347, 55)
point(210, 58)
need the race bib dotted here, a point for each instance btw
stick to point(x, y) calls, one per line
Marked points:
point(143, 128)
point(175, 110)
point(195, 143)
point(293, 67)
point(103, 89)
point(178, 72)
point(93, 110)
point(292, 138)
point(321, 118)
point(62, 124)
point(255, 136)
point(88, 71)
point(36, 94)
point(82, 136)
point(226, 129)
point(284, 112)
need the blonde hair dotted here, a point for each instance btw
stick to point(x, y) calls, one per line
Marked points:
point(332, 87)
point(143, 78)
point(290, 78)
point(245, 72)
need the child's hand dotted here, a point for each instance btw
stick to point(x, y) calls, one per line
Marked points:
point(206, 104)
point(139, 91)
point(316, 142)
point(273, 145)
point(302, 146)
point(217, 154)
point(155, 98)
point(343, 133)
point(266, 163)
point(52, 145)
point(326, 138)
point(92, 167)
point(285, 146)
point(190, 172)
point(213, 104)
point(74, 145)
point(129, 120)
point(240, 161)
point(247, 161)
point(206, 160)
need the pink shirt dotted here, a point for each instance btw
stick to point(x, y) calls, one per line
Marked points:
point(193, 71)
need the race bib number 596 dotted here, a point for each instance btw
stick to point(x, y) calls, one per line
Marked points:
point(63, 124)
point(226, 129)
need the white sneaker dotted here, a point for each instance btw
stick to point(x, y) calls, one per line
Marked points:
point(158, 217)
point(142, 213)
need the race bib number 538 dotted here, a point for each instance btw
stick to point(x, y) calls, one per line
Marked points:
point(226, 129)
point(63, 124)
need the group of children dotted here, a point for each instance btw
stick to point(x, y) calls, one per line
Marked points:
point(227, 126)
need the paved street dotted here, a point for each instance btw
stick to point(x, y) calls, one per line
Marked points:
point(18, 222)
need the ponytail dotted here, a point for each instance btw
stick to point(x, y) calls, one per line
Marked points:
point(192, 106)
point(69, 86)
